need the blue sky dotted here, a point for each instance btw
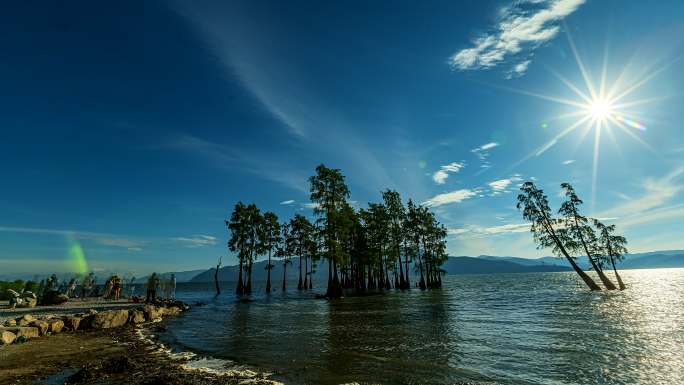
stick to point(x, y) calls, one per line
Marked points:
point(131, 129)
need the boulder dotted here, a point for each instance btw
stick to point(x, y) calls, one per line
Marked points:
point(55, 325)
point(152, 313)
point(25, 320)
point(137, 316)
point(54, 297)
point(7, 337)
point(72, 322)
point(41, 325)
point(22, 331)
point(108, 319)
point(172, 311)
point(29, 302)
point(10, 322)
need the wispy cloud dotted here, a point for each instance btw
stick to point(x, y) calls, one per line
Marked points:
point(476, 230)
point(569, 161)
point(654, 204)
point(311, 205)
point(287, 202)
point(482, 153)
point(196, 241)
point(103, 239)
point(523, 27)
point(501, 186)
point(450, 197)
point(442, 174)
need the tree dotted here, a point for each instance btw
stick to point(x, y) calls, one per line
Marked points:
point(614, 246)
point(239, 240)
point(397, 216)
point(301, 231)
point(285, 251)
point(412, 234)
point(216, 282)
point(535, 208)
point(579, 230)
point(329, 192)
point(272, 239)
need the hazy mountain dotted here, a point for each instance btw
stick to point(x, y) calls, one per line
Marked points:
point(471, 265)
point(649, 260)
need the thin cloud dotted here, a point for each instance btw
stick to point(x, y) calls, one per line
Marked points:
point(442, 174)
point(502, 185)
point(287, 202)
point(103, 239)
point(311, 205)
point(477, 231)
point(569, 161)
point(482, 153)
point(450, 197)
point(196, 241)
point(523, 27)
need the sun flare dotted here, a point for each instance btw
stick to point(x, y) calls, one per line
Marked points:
point(600, 109)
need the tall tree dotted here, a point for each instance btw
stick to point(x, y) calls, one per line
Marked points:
point(272, 239)
point(329, 192)
point(301, 231)
point(256, 240)
point(614, 246)
point(412, 233)
point(535, 208)
point(579, 231)
point(239, 239)
point(285, 250)
point(397, 216)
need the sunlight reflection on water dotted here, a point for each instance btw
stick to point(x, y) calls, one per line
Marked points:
point(541, 328)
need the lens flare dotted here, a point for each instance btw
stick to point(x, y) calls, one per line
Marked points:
point(76, 258)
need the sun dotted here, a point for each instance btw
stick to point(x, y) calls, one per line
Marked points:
point(600, 109)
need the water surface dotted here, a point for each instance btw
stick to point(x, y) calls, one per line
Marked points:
point(539, 328)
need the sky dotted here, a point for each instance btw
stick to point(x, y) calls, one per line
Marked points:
point(130, 129)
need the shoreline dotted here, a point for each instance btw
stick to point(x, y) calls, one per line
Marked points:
point(128, 354)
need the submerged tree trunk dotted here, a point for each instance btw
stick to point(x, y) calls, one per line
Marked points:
point(299, 285)
point(402, 282)
point(240, 290)
point(311, 276)
point(306, 273)
point(268, 276)
point(620, 283)
point(606, 282)
point(218, 288)
point(284, 275)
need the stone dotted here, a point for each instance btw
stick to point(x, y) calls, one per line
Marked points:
point(10, 322)
point(7, 337)
point(137, 316)
point(172, 311)
point(55, 325)
point(152, 313)
point(72, 322)
point(108, 319)
point(42, 326)
point(30, 302)
point(54, 297)
point(22, 331)
point(25, 320)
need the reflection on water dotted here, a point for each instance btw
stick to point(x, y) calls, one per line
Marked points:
point(540, 328)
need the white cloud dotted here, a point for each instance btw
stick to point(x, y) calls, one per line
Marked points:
point(476, 230)
point(443, 173)
point(569, 161)
point(311, 205)
point(103, 239)
point(482, 153)
point(450, 197)
point(502, 185)
point(486, 147)
point(523, 27)
point(196, 241)
point(287, 202)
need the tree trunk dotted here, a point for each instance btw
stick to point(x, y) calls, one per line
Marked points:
point(240, 290)
point(284, 275)
point(620, 283)
point(407, 280)
point(248, 290)
point(299, 285)
point(218, 289)
point(306, 273)
point(402, 283)
point(268, 276)
point(606, 282)
point(311, 276)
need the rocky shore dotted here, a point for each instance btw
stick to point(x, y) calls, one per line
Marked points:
point(105, 347)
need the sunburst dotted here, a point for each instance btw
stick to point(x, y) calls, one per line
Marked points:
point(598, 108)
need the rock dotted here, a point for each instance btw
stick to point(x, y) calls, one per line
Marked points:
point(152, 313)
point(54, 297)
point(172, 311)
point(7, 337)
point(41, 325)
point(55, 325)
point(108, 319)
point(22, 331)
point(137, 316)
point(10, 322)
point(72, 322)
point(25, 320)
point(29, 302)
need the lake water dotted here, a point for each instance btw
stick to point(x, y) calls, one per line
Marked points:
point(540, 328)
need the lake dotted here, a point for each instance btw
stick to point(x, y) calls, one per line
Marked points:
point(538, 328)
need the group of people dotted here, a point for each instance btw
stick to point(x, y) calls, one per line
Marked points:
point(155, 284)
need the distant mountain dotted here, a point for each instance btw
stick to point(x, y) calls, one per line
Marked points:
point(489, 265)
point(649, 260)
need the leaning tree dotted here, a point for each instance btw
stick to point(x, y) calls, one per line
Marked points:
point(614, 247)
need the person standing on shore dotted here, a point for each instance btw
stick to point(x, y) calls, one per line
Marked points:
point(87, 285)
point(152, 284)
point(116, 287)
point(172, 287)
